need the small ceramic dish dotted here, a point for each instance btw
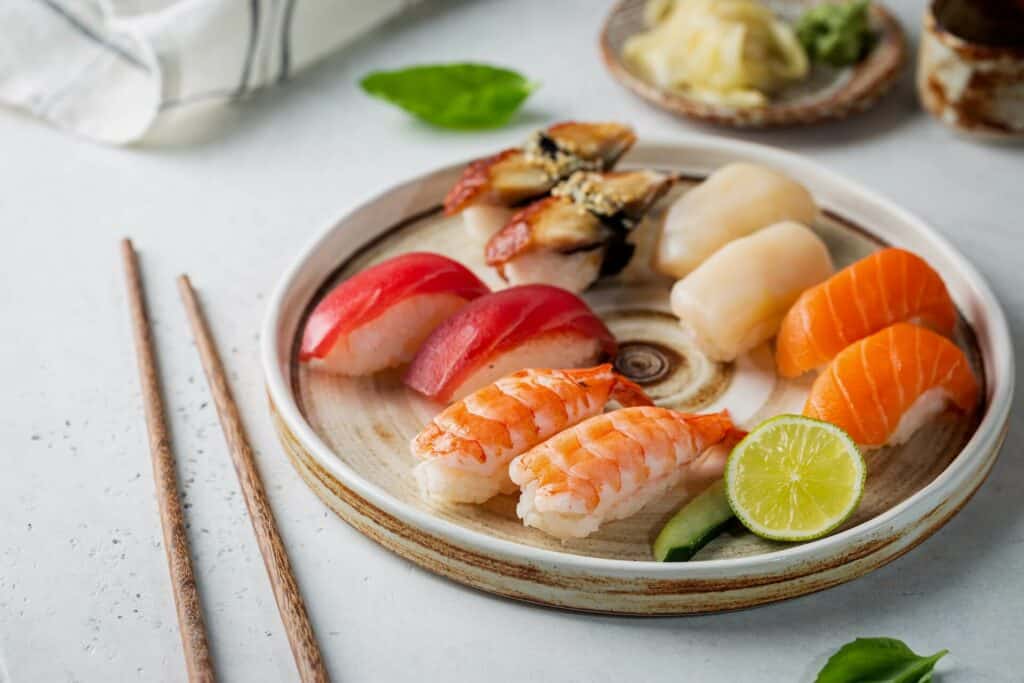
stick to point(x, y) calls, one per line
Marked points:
point(826, 94)
point(974, 87)
point(349, 437)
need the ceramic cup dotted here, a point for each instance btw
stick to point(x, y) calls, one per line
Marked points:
point(971, 66)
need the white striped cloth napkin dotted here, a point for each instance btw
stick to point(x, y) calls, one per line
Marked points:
point(111, 70)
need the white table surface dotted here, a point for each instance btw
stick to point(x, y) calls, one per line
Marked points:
point(84, 593)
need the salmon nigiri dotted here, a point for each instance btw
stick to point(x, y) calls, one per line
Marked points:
point(610, 466)
point(889, 286)
point(881, 389)
point(466, 449)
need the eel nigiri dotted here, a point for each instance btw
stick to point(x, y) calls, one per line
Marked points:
point(736, 299)
point(380, 317)
point(733, 202)
point(889, 286)
point(489, 187)
point(466, 449)
point(611, 465)
point(881, 389)
point(533, 326)
point(579, 233)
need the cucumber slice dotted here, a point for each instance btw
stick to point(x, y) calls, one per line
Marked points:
point(694, 525)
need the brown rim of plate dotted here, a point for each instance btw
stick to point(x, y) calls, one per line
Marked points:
point(608, 585)
point(871, 78)
point(597, 594)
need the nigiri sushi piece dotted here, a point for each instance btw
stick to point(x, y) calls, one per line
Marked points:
point(881, 389)
point(466, 449)
point(611, 465)
point(736, 299)
point(380, 317)
point(489, 187)
point(533, 326)
point(891, 285)
point(733, 202)
point(578, 233)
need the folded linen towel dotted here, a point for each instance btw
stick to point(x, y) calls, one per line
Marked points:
point(111, 69)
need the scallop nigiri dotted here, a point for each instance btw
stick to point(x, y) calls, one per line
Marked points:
point(579, 233)
point(611, 465)
point(881, 389)
point(889, 286)
point(380, 317)
point(736, 299)
point(489, 187)
point(532, 326)
point(735, 201)
point(466, 449)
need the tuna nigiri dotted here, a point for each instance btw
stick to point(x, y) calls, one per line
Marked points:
point(466, 449)
point(889, 286)
point(611, 465)
point(532, 326)
point(579, 233)
point(881, 389)
point(379, 318)
point(735, 201)
point(489, 187)
point(737, 298)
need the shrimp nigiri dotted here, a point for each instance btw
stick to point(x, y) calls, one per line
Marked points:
point(881, 389)
point(466, 449)
point(611, 465)
point(889, 286)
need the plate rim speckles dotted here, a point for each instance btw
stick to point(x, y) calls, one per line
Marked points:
point(626, 586)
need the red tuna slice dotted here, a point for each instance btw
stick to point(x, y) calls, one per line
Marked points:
point(378, 318)
point(531, 326)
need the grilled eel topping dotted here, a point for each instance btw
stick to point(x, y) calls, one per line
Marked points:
point(515, 175)
point(589, 212)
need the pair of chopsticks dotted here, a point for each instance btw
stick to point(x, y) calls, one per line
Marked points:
point(186, 597)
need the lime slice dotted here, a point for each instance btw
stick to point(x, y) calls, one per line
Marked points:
point(794, 478)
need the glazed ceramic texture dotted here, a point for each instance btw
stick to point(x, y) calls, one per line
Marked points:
point(826, 94)
point(348, 438)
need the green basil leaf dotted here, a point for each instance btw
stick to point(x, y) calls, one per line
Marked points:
point(460, 96)
point(878, 660)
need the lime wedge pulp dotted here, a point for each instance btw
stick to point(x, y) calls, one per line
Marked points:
point(794, 479)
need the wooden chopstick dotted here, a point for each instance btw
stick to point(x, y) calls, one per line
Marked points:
point(286, 591)
point(183, 582)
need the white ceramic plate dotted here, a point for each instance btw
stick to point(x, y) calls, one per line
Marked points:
point(348, 438)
